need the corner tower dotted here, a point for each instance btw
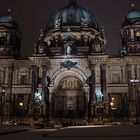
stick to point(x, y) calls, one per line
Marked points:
point(10, 37)
point(130, 33)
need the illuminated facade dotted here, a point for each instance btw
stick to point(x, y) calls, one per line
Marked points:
point(69, 76)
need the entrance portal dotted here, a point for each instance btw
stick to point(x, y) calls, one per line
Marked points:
point(69, 99)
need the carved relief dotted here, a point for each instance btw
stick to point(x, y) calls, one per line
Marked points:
point(115, 77)
point(69, 83)
point(115, 74)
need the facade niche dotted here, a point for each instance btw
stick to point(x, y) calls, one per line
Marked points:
point(115, 77)
point(23, 79)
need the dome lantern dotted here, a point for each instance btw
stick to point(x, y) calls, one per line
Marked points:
point(72, 2)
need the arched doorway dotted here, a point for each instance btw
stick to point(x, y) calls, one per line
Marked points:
point(69, 99)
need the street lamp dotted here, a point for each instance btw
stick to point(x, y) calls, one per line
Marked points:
point(111, 104)
point(113, 107)
point(21, 109)
point(21, 104)
point(2, 104)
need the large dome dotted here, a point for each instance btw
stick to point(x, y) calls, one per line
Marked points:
point(73, 15)
point(9, 22)
point(72, 30)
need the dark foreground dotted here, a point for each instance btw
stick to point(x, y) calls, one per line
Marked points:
point(119, 132)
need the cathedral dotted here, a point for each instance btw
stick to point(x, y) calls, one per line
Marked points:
point(69, 76)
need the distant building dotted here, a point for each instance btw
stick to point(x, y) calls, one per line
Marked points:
point(70, 76)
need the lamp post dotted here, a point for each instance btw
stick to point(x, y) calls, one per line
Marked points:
point(2, 104)
point(113, 107)
point(21, 109)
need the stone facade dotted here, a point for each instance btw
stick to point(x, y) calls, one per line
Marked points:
point(71, 77)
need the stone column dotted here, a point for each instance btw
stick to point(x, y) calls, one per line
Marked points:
point(45, 91)
point(92, 91)
point(132, 104)
point(130, 90)
point(34, 80)
point(86, 107)
point(104, 90)
point(92, 84)
point(103, 82)
point(123, 74)
point(10, 83)
point(34, 85)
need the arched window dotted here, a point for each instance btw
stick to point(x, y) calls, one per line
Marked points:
point(3, 38)
point(137, 35)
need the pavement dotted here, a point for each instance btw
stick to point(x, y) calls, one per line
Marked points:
point(92, 132)
point(9, 129)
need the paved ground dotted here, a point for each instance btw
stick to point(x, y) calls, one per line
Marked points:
point(120, 132)
point(14, 129)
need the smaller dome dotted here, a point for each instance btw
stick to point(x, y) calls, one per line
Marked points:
point(132, 17)
point(10, 37)
point(133, 14)
point(5, 19)
point(9, 22)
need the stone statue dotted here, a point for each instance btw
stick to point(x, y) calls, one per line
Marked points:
point(99, 95)
point(37, 96)
point(68, 49)
point(57, 23)
point(84, 22)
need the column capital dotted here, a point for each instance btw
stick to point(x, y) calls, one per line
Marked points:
point(103, 66)
point(34, 67)
point(92, 66)
point(44, 67)
point(129, 66)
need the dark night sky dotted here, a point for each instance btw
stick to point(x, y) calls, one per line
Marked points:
point(32, 15)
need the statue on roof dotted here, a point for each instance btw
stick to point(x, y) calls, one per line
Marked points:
point(72, 2)
point(57, 23)
point(68, 49)
point(84, 22)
